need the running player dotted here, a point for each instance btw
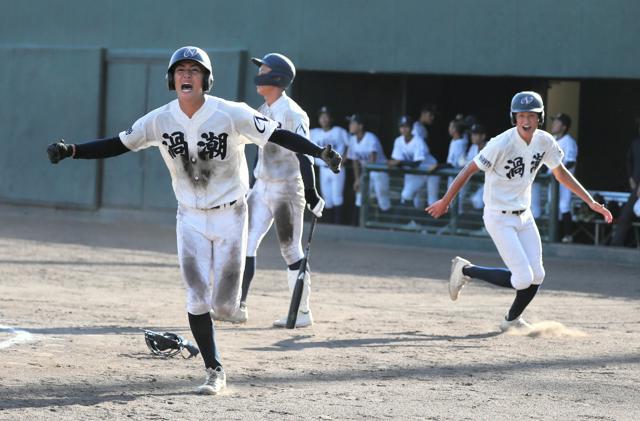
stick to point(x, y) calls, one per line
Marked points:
point(511, 161)
point(201, 140)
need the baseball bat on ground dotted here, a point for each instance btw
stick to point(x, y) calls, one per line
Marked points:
point(297, 291)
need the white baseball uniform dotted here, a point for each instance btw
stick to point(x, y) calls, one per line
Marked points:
point(510, 166)
point(209, 175)
point(416, 150)
point(361, 150)
point(278, 193)
point(331, 184)
point(456, 157)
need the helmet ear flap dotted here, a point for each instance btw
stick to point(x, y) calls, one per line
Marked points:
point(170, 81)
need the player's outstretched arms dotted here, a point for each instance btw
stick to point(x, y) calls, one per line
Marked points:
point(315, 203)
point(569, 181)
point(440, 207)
point(298, 144)
point(103, 148)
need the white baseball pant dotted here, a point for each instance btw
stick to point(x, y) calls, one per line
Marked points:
point(212, 242)
point(332, 187)
point(284, 203)
point(518, 241)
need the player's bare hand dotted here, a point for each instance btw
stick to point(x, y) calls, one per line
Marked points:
point(58, 151)
point(315, 203)
point(438, 208)
point(602, 210)
point(331, 158)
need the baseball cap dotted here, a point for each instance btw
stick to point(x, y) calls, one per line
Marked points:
point(478, 128)
point(405, 120)
point(324, 110)
point(355, 118)
point(564, 118)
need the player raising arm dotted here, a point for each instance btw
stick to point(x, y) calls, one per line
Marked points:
point(511, 161)
point(201, 139)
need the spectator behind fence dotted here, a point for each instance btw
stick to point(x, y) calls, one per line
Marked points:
point(331, 184)
point(478, 142)
point(410, 151)
point(560, 130)
point(364, 148)
point(621, 229)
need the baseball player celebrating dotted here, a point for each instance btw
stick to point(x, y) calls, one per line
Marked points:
point(201, 140)
point(331, 184)
point(284, 182)
point(510, 162)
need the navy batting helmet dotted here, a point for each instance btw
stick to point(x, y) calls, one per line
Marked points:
point(282, 71)
point(191, 53)
point(527, 102)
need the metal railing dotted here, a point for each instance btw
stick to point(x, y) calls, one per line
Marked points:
point(464, 217)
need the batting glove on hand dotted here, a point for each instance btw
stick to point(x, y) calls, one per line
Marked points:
point(58, 151)
point(331, 158)
point(315, 203)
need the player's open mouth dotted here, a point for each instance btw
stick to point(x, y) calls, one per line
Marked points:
point(526, 128)
point(186, 87)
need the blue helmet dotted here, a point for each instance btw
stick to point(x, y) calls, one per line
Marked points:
point(190, 53)
point(282, 71)
point(527, 102)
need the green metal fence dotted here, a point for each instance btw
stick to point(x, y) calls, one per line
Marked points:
point(463, 218)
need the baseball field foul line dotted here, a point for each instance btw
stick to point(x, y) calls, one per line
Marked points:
point(21, 336)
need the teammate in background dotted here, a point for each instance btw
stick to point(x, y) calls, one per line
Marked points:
point(560, 130)
point(331, 184)
point(478, 142)
point(510, 162)
point(458, 144)
point(410, 151)
point(421, 126)
point(284, 182)
point(630, 208)
point(364, 148)
point(457, 152)
point(201, 140)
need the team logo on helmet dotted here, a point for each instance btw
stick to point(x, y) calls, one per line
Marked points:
point(527, 100)
point(190, 52)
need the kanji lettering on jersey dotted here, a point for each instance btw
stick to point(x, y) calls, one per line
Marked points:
point(516, 167)
point(176, 145)
point(215, 146)
point(537, 158)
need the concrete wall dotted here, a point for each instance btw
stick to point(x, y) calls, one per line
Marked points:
point(81, 70)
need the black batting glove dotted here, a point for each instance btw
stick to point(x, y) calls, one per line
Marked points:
point(58, 151)
point(331, 158)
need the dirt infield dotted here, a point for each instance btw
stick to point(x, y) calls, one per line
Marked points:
point(387, 344)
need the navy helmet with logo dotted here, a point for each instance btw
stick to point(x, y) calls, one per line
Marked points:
point(282, 71)
point(527, 102)
point(190, 53)
point(405, 120)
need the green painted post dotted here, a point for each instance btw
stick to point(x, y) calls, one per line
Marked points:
point(553, 211)
point(364, 193)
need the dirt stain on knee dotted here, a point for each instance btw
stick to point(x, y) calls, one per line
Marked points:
point(284, 223)
point(229, 282)
point(192, 276)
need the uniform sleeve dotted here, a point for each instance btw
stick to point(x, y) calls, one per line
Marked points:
point(553, 155)
point(487, 157)
point(252, 126)
point(396, 153)
point(140, 135)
